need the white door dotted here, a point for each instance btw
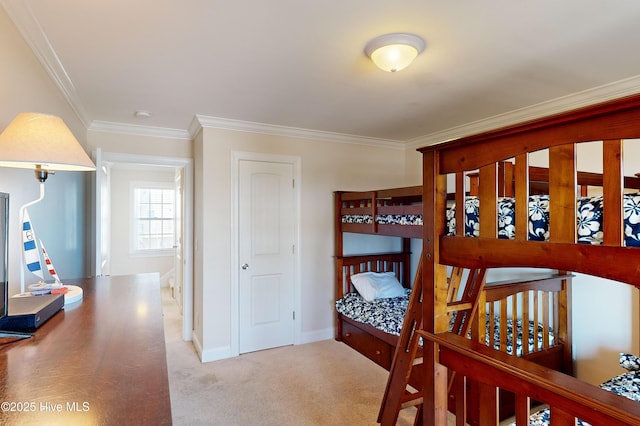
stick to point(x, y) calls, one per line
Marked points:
point(266, 255)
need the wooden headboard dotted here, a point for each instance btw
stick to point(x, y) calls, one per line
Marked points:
point(384, 262)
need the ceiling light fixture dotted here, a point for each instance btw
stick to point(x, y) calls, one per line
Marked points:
point(142, 114)
point(394, 52)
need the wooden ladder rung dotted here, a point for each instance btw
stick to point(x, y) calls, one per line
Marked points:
point(459, 306)
point(411, 400)
point(407, 355)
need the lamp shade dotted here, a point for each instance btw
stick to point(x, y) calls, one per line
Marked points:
point(394, 52)
point(40, 140)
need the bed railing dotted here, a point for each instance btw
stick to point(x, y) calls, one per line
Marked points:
point(567, 397)
point(611, 123)
point(559, 251)
point(364, 208)
point(542, 302)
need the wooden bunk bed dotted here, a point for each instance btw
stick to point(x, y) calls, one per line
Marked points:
point(450, 362)
point(540, 300)
point(398, 213)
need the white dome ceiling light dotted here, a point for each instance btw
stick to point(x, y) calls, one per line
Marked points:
point(142, 114)
point(394, 52)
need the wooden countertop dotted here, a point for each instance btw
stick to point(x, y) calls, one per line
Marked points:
point(102, 361)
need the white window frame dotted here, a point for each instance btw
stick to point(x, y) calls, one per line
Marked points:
point(133, 251)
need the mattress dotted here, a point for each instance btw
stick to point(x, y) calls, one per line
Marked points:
point(588, 221)
point(388, 315)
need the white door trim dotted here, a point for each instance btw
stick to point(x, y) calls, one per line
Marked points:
point(236, 157)
point(187, 234)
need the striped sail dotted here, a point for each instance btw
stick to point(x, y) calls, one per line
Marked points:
point(30, 247)
point(47, 262)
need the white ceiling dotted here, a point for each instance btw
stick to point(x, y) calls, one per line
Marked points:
point(300, 63)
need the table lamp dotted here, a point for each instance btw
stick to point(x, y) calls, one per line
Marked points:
point(45, 144)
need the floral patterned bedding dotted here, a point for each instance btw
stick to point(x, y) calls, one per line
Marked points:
point(388, 314)
point(589, 219)
point(384, 219)
point(626, 384)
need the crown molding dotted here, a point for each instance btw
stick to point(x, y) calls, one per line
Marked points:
point(23, 18)
point(202, 121)
point(137, 130)
point(618, 89)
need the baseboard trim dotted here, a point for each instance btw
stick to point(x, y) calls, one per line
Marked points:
point(316, 336)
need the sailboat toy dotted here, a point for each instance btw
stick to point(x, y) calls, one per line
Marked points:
point(31, 254)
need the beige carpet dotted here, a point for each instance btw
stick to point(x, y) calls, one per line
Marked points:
point(322, 383)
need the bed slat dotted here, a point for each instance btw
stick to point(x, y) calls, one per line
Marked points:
point(612, 193)
point(562, 194)
point(460, 201)
point(525, 314)
point(488, 193)
point(521, 185)
point(545, 321)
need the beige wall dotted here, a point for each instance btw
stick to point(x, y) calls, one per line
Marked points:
point(413, 160)
point(24, 84)
point(138, 144)
point(199, 187)
point(61, 219)
point(326, 167)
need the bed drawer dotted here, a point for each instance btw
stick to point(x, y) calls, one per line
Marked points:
point(368, 345)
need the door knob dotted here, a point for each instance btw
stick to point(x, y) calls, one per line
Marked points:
point(245, 266)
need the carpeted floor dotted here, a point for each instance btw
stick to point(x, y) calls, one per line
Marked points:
point(321, 383)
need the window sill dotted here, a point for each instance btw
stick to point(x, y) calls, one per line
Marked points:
point(153, 253)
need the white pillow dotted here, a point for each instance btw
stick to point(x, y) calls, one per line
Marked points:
point(377, 285)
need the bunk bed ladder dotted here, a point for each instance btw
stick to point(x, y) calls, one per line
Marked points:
point(403, 385)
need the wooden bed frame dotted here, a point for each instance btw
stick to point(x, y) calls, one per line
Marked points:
point(539, 299)
point(610, 122)
point(378, 345)
point(543, 299)
point(504, 300)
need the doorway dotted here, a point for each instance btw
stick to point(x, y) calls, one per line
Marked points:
point(125, 173)
point(265, 265)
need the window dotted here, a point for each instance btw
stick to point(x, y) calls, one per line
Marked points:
point(153, 218)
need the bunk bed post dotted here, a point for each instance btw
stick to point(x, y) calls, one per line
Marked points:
point(337, 221)
point(565, 326)
point(338, 247)
point(406, 261)
point(434, 287)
